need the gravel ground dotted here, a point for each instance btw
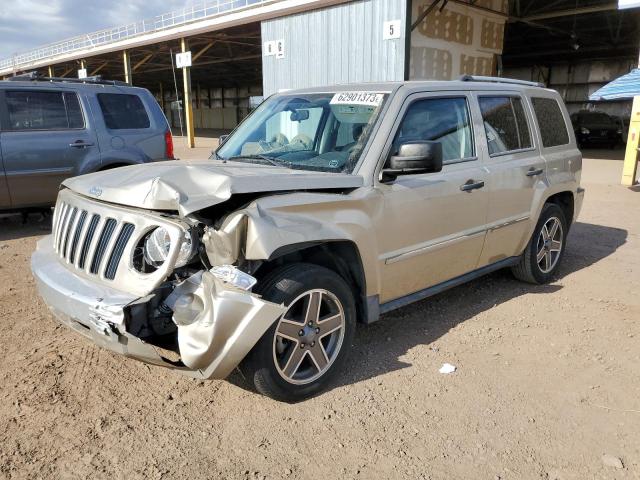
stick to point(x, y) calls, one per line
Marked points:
point(547, 383)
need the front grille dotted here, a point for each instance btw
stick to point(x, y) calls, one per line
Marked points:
point(89, 241)
point(97, 240)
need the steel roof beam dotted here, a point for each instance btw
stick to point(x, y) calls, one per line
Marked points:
point(565, 13)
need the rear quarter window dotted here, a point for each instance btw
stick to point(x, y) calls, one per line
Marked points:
point(553, 128)
point(123, 111)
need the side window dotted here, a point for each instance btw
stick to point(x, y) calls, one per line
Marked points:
point(38, 110)
point(74, 112)
point(553, 129)
point(505, 124)
point(123, 111)
point(444, 120)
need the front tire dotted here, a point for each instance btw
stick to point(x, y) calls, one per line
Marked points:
point(542, 257)
point(306, 347)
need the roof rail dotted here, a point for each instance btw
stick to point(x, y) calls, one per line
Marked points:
point(36, 77)
point(479, 78)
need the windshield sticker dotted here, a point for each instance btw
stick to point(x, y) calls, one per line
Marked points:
point(357, 98)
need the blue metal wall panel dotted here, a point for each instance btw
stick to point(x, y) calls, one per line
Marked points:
point(339, 44)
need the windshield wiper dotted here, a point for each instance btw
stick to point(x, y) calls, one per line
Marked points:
point(257, 156)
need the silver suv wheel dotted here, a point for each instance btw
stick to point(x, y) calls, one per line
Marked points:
point(309, 336)
point(549, 246)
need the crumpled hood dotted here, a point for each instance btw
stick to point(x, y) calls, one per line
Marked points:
point(191, 185)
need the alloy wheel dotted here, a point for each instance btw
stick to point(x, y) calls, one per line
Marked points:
point(309, 336)
point(549, 245)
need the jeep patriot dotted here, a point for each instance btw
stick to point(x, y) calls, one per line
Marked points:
point(326, 207)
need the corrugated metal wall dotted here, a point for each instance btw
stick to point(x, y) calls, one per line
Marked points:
point(339, 44)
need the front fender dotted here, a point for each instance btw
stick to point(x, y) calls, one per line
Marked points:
point(271, 224)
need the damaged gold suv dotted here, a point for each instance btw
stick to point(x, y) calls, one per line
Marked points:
point(324, 208)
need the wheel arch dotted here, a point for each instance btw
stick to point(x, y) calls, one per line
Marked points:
point(114, 165)
point(565, 200)
point(339, 256)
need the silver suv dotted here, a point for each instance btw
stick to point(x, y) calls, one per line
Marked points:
point(55, 128)
point(326, 207)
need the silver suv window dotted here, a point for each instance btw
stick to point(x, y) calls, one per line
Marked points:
point(42, 110)
point(553, 129)
point(505, 124)
point(444, 120)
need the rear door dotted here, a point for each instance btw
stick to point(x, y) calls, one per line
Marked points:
point(517, 173)
point(45, 139)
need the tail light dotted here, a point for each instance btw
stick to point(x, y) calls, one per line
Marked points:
point(168, 144)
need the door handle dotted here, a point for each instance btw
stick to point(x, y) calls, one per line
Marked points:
point(534, 172)
point(471, 185)
point(80, 144)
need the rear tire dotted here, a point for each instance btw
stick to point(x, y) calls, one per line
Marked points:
point(302, 351)
point(543, 255)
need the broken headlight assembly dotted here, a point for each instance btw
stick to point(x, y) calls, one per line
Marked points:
point(157, 246)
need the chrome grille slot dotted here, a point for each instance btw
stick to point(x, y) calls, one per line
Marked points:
point(76, 236)
point(103, 241)
point(67, 231)
point(61, 224)
point(118, 250)
point(91, 230)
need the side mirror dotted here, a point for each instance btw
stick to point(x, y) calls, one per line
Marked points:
point(222, 139)
point(414, 158)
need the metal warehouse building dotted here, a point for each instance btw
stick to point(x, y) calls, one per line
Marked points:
point(251, 48)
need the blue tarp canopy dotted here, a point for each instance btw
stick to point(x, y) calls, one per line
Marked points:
point(627, 86)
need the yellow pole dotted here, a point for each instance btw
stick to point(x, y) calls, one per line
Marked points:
point(127, 67)
point(188, 108)
point(630, 166)
point(50, 71)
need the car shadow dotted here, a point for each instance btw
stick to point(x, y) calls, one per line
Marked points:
point(14, 226)
point(378, 348)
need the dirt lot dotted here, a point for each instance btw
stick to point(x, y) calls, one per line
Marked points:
point(548, 382)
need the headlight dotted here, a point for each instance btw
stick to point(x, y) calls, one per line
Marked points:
point(585, 131)
point(158, 244)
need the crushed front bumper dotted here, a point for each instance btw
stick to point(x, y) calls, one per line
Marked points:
point(229, 325)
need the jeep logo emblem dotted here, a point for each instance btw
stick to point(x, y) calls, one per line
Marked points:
point(95, 191)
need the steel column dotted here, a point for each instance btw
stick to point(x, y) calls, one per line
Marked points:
point(128, 73)
point(186, 99)
point(630, 167)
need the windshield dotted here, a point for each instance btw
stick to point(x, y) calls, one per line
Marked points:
point(314, 131)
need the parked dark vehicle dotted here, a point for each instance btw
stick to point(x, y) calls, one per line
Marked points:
point(596, 128)
point(53, 129)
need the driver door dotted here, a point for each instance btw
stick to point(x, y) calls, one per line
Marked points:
point(433, 225)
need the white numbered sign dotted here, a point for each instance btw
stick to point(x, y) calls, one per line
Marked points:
point(183, 60)
point(391, 30)
point(279, 48)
